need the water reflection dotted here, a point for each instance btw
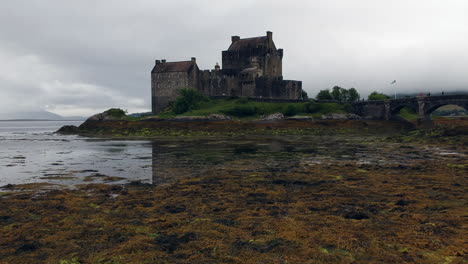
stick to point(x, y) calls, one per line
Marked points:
point(71, 160)
point(191, 158)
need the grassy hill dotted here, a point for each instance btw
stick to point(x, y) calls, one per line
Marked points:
point(243, 108)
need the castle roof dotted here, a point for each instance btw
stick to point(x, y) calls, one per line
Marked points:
point(178, 66)
point(248, 43)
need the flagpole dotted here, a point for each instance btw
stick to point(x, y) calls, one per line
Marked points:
point(394, 90)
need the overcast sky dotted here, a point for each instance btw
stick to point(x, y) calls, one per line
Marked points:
point(82, 57)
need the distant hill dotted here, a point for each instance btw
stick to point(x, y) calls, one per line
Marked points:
point(37, 115)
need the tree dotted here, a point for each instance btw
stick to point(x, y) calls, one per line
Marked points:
point(337, 93)
point(353, 95)
point(189, 99)
point(377, 96)
point(324, 95)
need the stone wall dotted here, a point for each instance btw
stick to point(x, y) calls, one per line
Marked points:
point(214, 83)
point(165, 87)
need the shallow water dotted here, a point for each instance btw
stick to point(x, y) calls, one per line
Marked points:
point(30, 152)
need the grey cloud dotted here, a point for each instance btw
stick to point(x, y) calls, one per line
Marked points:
point(111, 45)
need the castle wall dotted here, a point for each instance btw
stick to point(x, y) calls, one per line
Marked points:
point(234, 61)
point(165, 88)
point(215, 83)
point(270, 87)
point(274, 64)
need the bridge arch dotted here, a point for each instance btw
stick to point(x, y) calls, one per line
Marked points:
point(434, 107)
point(395, 110)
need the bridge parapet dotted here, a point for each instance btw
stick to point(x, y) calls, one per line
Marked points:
point(424, 105)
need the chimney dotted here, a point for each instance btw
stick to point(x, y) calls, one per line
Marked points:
point(194, 60)
point(269, 35)
point(158, 62)
point(235, 38)
point(217, 68)
point(163, 61)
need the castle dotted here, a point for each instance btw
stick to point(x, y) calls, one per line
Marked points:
point(251, 67)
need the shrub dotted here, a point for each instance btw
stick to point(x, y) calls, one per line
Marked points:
point(348, 108)
point(241, 111)
point(189, 99)
point(339, 94)
point(116, 113)
point(243, 100)
point(377, 96)
point(324, 95)
point(312, 107)
point(290, 110)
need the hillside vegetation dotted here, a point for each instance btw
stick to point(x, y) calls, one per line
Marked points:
point(192, 103)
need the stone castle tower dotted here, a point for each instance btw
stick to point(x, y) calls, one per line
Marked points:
point(251, 67)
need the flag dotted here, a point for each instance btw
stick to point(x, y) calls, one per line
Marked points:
point(394, 81)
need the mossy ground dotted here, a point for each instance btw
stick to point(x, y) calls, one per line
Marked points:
point(339, 213)
point(245, 212)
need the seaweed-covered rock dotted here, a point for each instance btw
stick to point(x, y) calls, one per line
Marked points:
point(68, 130)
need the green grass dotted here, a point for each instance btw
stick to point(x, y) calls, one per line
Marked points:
point(408, 114)
point(249, 109)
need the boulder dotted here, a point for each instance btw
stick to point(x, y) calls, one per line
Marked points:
point(275, 116)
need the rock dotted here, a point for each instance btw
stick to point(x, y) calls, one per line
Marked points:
point(275, 116)
point(109, 115)
point(189, 118)
point(337, 116)
point(352, 116)
point(68, 130)
point(211, 117)
point(8, 187)
point(102, 117)
point(300, 118)
point(218, 117)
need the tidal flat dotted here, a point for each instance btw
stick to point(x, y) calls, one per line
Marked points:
point(356, 196)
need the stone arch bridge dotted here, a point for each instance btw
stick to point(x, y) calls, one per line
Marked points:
point(424, 106)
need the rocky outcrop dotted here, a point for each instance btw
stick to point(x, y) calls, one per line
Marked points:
point(102, 117)
point(68, 130)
